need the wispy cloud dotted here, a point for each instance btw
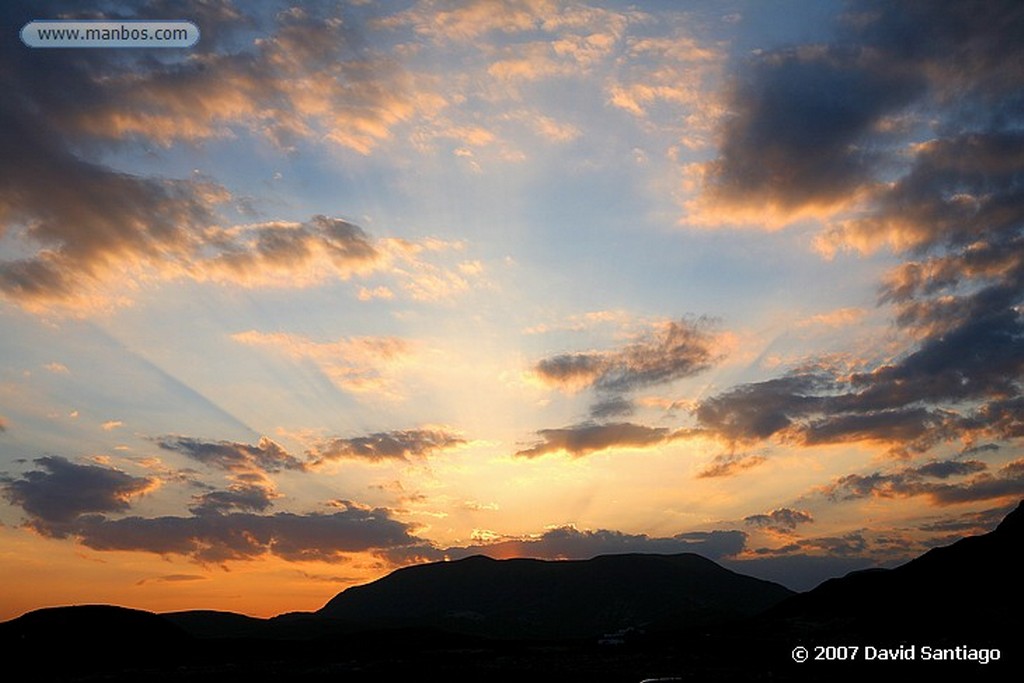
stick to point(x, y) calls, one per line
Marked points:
point(265, 456)
point(583, 439)
point(393, 445)
point(780, 519)
point(670, 351)
point(355, 364)
point(1007, 482)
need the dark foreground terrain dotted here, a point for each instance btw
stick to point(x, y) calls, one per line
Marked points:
point(615, 618)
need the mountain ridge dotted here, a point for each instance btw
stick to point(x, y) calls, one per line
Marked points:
point(970, 587)
point(700, 636)
point(523, 597)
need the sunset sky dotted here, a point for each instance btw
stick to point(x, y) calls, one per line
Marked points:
point(353, 285)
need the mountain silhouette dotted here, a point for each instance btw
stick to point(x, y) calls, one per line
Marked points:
point(970, 589)
point(613, 618)
point(526, 598)
point(86, 638)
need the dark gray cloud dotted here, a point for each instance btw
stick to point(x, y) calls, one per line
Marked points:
point(287, 247)
point(944, 469)
point(63, 500)
point(85, 215)
point(979, 363)
point(674, 350)
point(898, 425)
point(981, 485)
point(809, 123)
point(852, 544)
point(1000, 419)
point(973, 522)
point(583, 439)
point(61, 490)
point(81, 215)
point(244, 536)
point(781, 519)
point(241, 497)
point(756, 411)
point(613, 406)
point(848, 545)
point(1007, 483)
point(231, 456)
point(821, 125)
point(677, 349)
point(799, 119)
point(571, 543)
point(964, 48)
point(729, 464)
point(393, 445)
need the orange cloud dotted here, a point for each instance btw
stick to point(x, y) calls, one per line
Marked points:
point(470, 20)
point(362, 365)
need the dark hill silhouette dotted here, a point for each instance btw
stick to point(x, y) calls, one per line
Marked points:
point(90, 624)
point(525, 598)
point(217, 624)
point(89, 638)
point(972, 588)
point(509, 620)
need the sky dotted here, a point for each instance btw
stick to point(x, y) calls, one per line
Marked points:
point(349, 286)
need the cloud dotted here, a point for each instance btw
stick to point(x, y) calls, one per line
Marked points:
point(673, 350)
point(838, 318)
point(909, 404)
point(756, 411)
point(288, 254)
point(468, 21)
point(981, 485)
point(231, 456)
point(960, 188)
point(67, 500)
point(356, 364)
point(393, 445)
point(171, 578)
point(809, 125)
point(63, 498)
point(973, 522)
point(87, 235)
point(799, 116)
point(951, 206)
point(241, 536)
point(568, 542)
point(61, 490)
point(583, 439)
point(899, 426)
point(243, 497)
point(816, 130)
point(852, 544)
point(310, 76)
point(781, 519)
point(613, 406)
point(86, 220)
point(728, 465)
point(668, 83)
